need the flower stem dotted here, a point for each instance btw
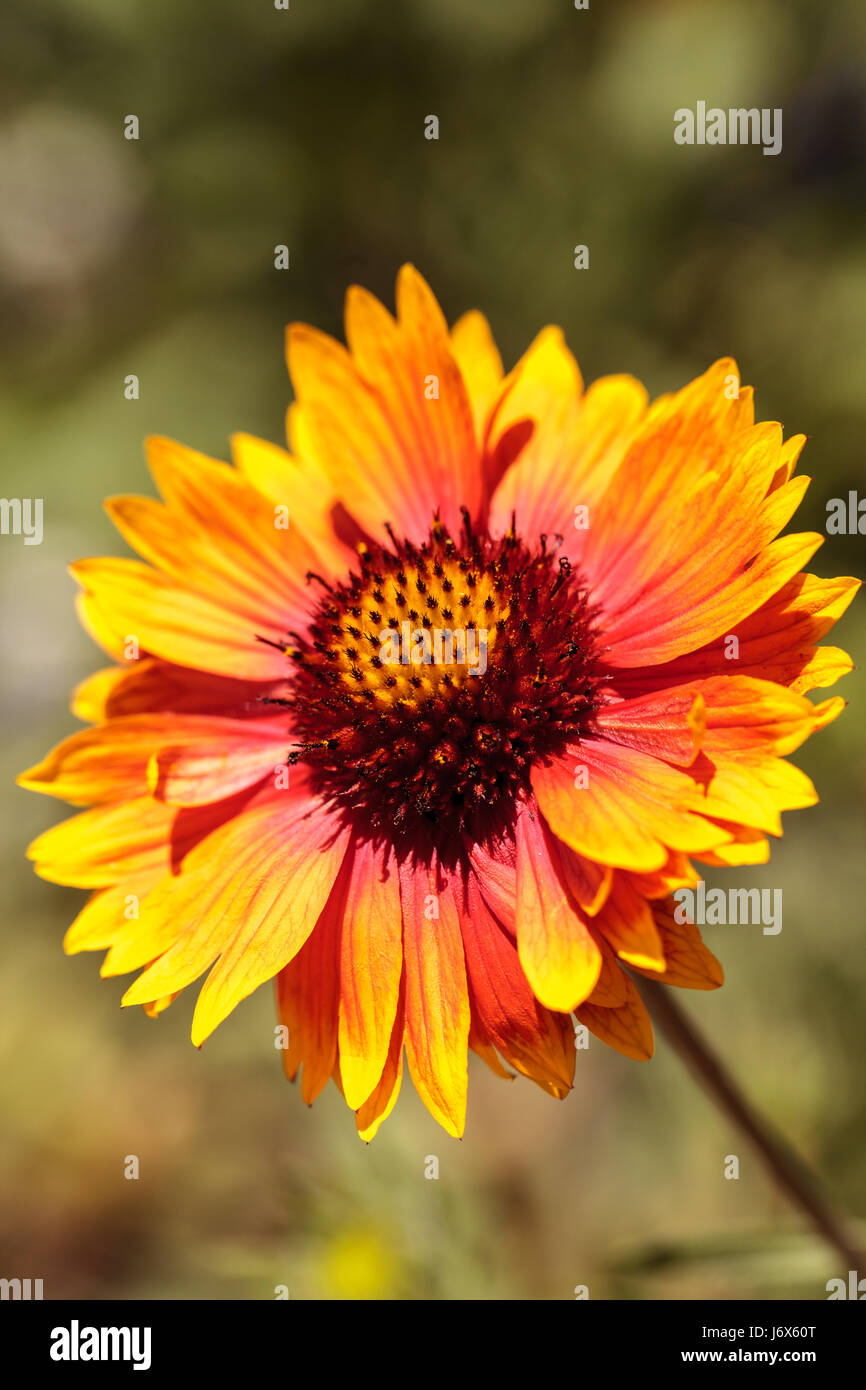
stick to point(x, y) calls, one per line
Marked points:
point(785, 1166)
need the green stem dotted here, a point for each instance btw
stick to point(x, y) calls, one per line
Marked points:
point(784, 1165)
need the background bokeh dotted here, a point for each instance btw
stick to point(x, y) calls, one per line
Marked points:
point(155, 257)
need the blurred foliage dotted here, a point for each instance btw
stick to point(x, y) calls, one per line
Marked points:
point(305, 127)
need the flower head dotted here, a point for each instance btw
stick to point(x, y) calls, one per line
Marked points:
point(428, 718)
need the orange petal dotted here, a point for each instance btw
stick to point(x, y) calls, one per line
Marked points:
point(776, 642)
point(125, 599)
point(125, 840)
point(676, 873)
point(748, 847)
point(164, 540)
point(121, 759)
point(218, 764)
point(669, 724)
point(231, 524)
point(299, 486)
point(448, 421)
point(688, 963)
point(747, 716)
point(611, 988)
point(588, 883)
point(217, 536)
point(736, 715)
point(91, 697)
point(106, 845)
point(675, 627)
point(627, 1027)
point(379, 1105)
point(149, 686)
point(690, 459)
point(495, 869)
point(557, 952)
point(477, 356)
point(576, 446)
point(627, 922)
point(371, 966)
point(437, 1002)
point(308, 992)
point(106, 913)
point(534, 1040)
point(823, 668)
point(678, 549)
point(391, 449)
point(248, 897)
point(750, 792)
point(628, 814)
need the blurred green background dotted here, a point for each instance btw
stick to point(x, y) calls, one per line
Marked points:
point(155, 257)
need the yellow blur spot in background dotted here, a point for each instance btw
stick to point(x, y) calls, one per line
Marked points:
point(360, 1263)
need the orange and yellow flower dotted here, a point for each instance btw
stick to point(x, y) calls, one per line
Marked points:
point(428, 856)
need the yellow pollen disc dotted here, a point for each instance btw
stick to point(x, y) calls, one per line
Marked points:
point(413, 634)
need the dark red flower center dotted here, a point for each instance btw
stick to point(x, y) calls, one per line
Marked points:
point(434, 677)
